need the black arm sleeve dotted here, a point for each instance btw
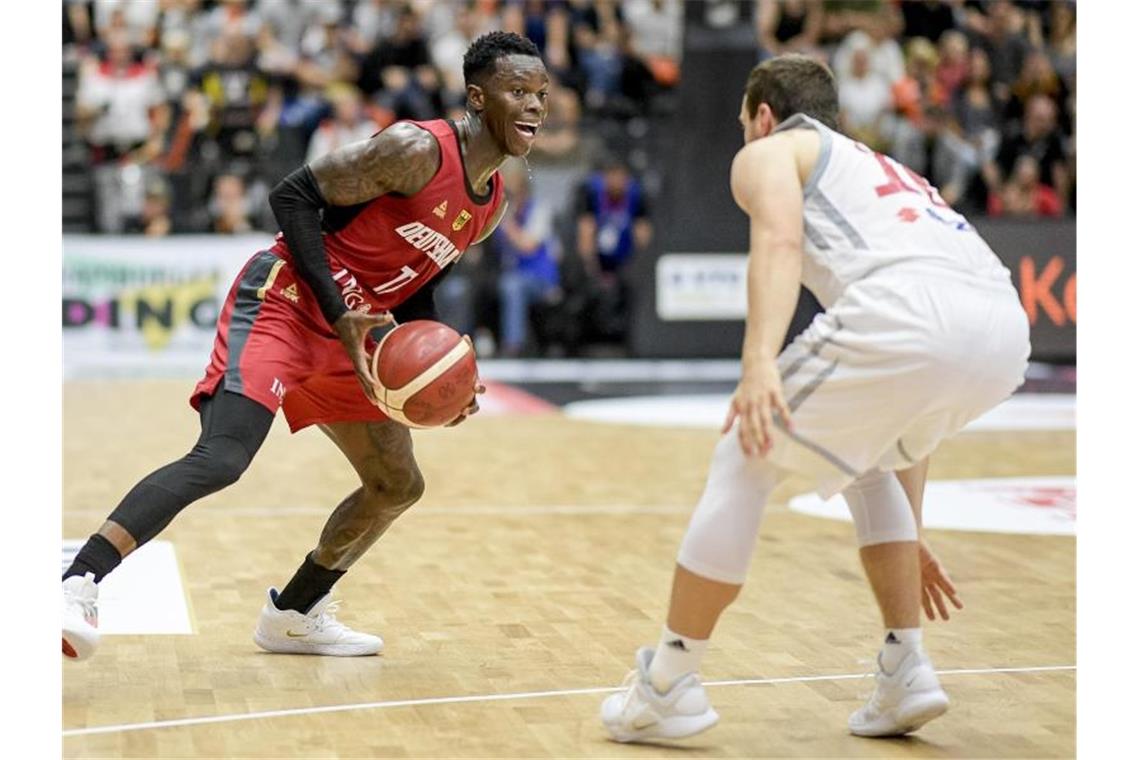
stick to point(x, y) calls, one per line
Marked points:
point(421, 304)
point(297, 204)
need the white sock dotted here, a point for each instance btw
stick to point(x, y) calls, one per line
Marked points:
point(676, 656)
point(898, 644)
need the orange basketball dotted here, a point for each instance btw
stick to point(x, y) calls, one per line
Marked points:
point(427, 373)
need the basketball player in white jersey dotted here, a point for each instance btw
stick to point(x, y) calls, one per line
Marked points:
point(923, 331)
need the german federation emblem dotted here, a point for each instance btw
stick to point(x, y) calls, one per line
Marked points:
point(461, 220)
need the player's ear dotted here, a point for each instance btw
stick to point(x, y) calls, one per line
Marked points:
point(475, 98)
point(767, 120)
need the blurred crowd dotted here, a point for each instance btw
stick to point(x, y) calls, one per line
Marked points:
point(191, 110)
point(978, 96)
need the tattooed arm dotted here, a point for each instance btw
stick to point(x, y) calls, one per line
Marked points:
point(400, 160)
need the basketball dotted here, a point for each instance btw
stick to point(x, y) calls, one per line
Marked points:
point(426, 372)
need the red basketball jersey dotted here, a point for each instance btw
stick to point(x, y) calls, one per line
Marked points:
point(384, 250)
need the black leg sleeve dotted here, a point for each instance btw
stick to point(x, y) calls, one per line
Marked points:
point(233, 429)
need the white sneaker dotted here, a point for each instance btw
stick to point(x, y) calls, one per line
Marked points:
point(80, 617)
point(318, 632)
point(640, 712)
point(903, 700)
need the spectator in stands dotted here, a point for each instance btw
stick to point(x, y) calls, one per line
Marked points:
point(120, 111)
point(229, 18)
point(291, 19)
point(139, 21)
point(971, 139)
point(931, 19)
point(372, 21)
point(865, 100)
point(399, 72)
point(229, 207)
point(638, 84)
point(77, 25)
point(526, 18)
point(529, 253)
point(236, 93)
point(1024, 195)
point(953, 62)
point(596, 39)
point(919, 104)
point(1040, 138)
point(1063, 40)
point(794, 26)
point(1036, 78)
point(447, 51)
point(612, 227)
point(558, 52)
point(155, 219)
point(348, 124)
point(324, 57)
point(1003, 37)
point(610, 59)
point(174, 68)
point(875, 17)
point(655, 28)
point(886, 55)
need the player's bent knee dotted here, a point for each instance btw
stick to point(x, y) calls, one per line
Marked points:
point(210, 466)
point(880, 510)
point(412, 487)
point(401, 487)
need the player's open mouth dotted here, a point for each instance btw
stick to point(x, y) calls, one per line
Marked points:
point(526, 129)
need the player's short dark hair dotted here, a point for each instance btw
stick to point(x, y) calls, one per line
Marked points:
point(792, 84)
point(479, 60)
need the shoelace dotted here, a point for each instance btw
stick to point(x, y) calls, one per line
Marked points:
point(327, 621)
point(84, 603)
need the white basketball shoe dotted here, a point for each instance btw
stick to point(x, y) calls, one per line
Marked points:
point(639, 712)
point(903, 701)
point(80, 617)
point(318, 632)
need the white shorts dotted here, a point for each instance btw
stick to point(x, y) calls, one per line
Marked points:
point(896, 365)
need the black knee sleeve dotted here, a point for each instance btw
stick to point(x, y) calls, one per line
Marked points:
point(233, 428)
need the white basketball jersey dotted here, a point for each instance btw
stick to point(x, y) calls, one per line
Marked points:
point(865, 213)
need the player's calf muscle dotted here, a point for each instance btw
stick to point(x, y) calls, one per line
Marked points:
point(359, 521)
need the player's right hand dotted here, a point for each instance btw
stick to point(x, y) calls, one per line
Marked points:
point(353, 328)
point(758, 397)
point(935, 582)
point(473, 407)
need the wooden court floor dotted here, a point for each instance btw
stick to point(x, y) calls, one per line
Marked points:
point(537, 562)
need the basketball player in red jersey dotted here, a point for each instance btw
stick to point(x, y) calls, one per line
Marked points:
point(365, 233)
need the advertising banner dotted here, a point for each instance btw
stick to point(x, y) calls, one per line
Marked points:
point(1042, 257)
point(692, 291)
point(135, 306)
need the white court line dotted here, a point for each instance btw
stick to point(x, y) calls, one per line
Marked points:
point(124, 727)
point(531, 510)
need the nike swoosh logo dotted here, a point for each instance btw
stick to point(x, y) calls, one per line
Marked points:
point(292, 635)
point(912, 679)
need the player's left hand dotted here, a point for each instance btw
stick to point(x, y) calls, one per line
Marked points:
point(935, 583)
point(759, 395)
point(479, 389)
